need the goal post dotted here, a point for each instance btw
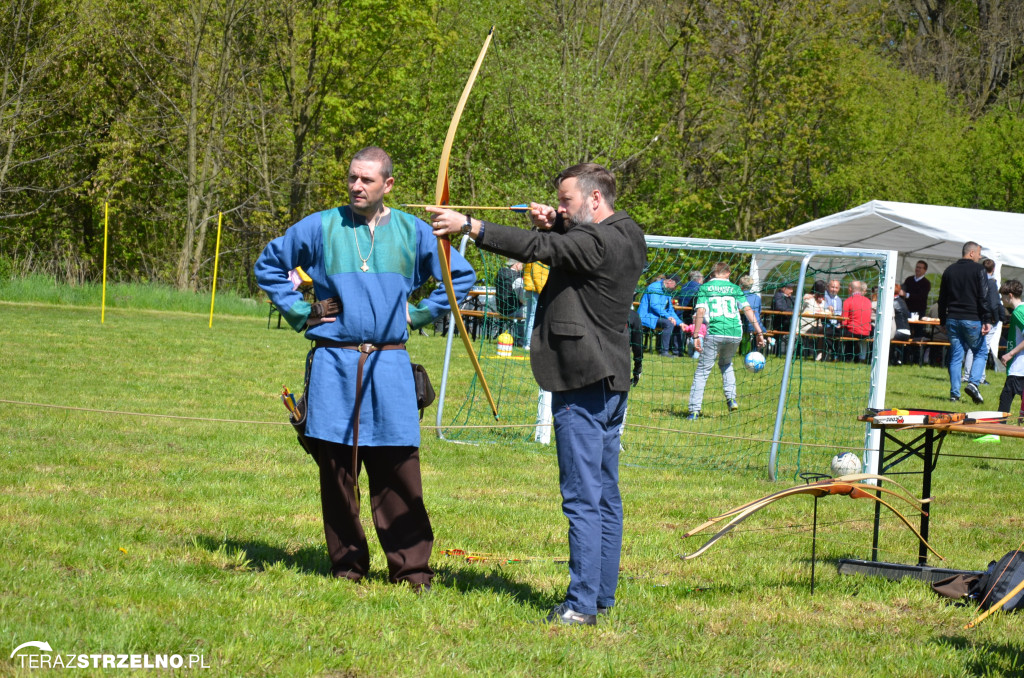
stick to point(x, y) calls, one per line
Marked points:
point(793, 416)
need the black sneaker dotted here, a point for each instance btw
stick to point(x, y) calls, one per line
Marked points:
point(603, 611)
point(954, 399)
point(563, 614)
point(972, 390)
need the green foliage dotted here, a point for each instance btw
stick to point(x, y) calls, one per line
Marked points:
point(728, 119)
point(996, 162)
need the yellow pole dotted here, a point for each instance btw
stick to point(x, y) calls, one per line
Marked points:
point(216, 256)
point(103, 301)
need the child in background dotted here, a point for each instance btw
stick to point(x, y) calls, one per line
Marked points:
point(1010, 294)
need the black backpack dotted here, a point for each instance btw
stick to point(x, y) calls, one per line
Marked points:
point(1001, 578)
point(988, 587)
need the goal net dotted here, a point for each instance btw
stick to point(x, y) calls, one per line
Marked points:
point(794, 415)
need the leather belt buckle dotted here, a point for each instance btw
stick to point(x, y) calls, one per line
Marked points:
point(366, 348)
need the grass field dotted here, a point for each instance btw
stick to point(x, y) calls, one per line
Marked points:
point(125, 534)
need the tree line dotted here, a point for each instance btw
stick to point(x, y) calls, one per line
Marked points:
point(721, 118)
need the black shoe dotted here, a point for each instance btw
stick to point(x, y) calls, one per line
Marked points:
point(563, 614)
point(954, 399)
point(972, 390)
point(603, 611)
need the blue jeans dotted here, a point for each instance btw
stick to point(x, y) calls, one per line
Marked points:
point(531, 313)
point(964, 335)
point(670, 340)
point(716, 349)
point(587, 425)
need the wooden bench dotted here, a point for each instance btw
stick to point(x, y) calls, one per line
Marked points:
point(943, 345)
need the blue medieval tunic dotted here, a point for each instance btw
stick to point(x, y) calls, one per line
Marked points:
point(330, 247)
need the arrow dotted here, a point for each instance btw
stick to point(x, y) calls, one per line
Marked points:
point(522, 208)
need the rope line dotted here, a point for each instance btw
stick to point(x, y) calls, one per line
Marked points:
point(975, 456)
point(423, 426)
point(143, 414)
point(179, 417)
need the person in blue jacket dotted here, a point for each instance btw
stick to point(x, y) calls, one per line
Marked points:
point(656, 313)
point(754, 299)
point(365, 260)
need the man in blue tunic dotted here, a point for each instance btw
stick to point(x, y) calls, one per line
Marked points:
point(365, 259)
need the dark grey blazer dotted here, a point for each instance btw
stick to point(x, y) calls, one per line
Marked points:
point(580, 335)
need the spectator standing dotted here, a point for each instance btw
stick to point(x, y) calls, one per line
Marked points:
point(508, 299)
point(900, 327)
point(636, 345)
point(811, 323)
point(656, 313)
point(993, 337)
point(834, 326)
point(535, 275)
point(687, 295)
point(754, 299)
point(784, 301)
point(722, 302)
point(857, 317)
point(916, 289)
point(966, 315)
point(1011, 292)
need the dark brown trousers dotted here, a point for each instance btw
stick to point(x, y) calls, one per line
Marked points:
point(396, 503)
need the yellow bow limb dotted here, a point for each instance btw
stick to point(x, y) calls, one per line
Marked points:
point(443, 243)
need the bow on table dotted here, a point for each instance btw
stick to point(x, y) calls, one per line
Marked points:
point(444, 245)
point(844, 485)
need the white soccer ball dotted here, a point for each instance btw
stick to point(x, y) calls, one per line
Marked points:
point(844, 464)
point(754, 361)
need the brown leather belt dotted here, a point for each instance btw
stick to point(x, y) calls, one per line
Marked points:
point(365, 349)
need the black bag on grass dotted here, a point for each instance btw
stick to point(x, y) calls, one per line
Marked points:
point(1000, 578)
point(988, 587)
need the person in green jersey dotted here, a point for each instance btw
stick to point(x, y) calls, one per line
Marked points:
point(720, 303)
point(1010, 294)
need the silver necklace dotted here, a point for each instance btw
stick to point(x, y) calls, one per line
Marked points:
point(365, 267)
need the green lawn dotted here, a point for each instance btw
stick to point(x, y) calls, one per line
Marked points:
point(156, 535)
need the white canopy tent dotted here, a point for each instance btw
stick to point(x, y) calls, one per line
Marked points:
point(933, 233)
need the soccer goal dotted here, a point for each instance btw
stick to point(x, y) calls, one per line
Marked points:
point(794, 415)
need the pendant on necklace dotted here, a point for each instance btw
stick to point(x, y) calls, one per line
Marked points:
point(364, 268)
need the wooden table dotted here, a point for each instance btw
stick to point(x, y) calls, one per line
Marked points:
point(925, 445)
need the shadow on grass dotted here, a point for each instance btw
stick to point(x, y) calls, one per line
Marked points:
point(671, 410)
point(992, 659)
point(465, 580)
point(313, 560)
point(261, 555)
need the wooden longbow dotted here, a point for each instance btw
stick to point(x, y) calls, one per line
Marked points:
point(444, 245)
point(853, 490)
